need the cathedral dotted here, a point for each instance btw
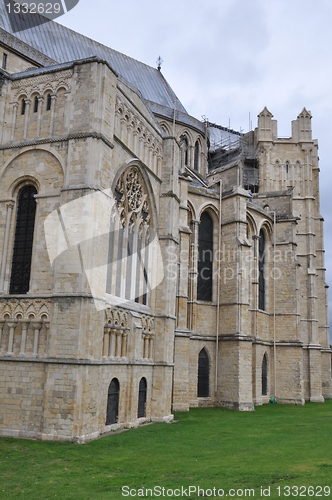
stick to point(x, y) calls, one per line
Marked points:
point(150, 262)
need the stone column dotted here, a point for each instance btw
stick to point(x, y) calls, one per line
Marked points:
point(118, 344)
point(141, 148)
point(122, 129)
point(10, 206)
point(15, 107)
point(124, 345)
point(112, 344)
point(66, 111)
point(40, 108)
point(12, 325)
point(106, 342)
point(145, 346)
point(151, 348)
point(53, 98)
point(2, 325)
point(27, 112)
point(25, 325)
point(37, 326)
point(129, 136)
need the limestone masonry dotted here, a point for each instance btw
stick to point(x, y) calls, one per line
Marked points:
point(150, 262)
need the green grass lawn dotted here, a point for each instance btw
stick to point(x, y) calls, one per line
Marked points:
point(277, 445)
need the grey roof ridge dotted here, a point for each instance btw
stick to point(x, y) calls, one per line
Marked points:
point(59, 66)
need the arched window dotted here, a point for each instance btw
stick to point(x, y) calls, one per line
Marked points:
point(25, 224)
point(113, 402)
point(185, 148)
point(264, 376)
point(141, 412)
point(35, 107)
point(261, 265)
point(49, 102)
point(131, 233)
point(203, 375)
point(196, 157)
point(23, 107)
point(205, 258)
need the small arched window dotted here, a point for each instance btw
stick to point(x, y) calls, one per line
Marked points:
point(264, 376)
point(261, 265)
point(49, 102)
point(287, 167)
point(205, 258)
point(113, 402)
point(196, 157)
point(141, 412)
point(23, 107)
point(35, 107)
point(22, 254)
point(203, 375)
point(185, 148)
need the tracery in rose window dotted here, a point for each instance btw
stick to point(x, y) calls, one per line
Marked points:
point(130, 233)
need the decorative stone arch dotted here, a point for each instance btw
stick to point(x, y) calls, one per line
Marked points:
point(48, 89)
point(62, 85)
point(34, 180)
point(191, 208)
point(141, 167)
point(21, 182)
point(252, 225)
point(211, 209)
point(165, 127)
point(187, 133)
point(203, 373)
point(267, 227)
point(21, 94)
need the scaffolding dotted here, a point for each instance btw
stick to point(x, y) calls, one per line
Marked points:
point(227, 146)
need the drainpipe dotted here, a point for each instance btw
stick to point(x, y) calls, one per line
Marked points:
point(218, 286)
point(274, 305)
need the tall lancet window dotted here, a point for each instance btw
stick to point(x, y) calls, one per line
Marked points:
point(264, 376)
point(203, 375)
point(196, 157)
point(261, 265)
point(130, 256)
point(205, 258)
point(25, 225)
point(185, 149)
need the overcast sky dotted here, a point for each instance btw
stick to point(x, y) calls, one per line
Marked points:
point(228, 58)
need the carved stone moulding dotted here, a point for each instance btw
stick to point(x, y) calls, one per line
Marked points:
point(35, 309)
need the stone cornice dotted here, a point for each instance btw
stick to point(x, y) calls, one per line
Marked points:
point(22, 48)
point(50, 140)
